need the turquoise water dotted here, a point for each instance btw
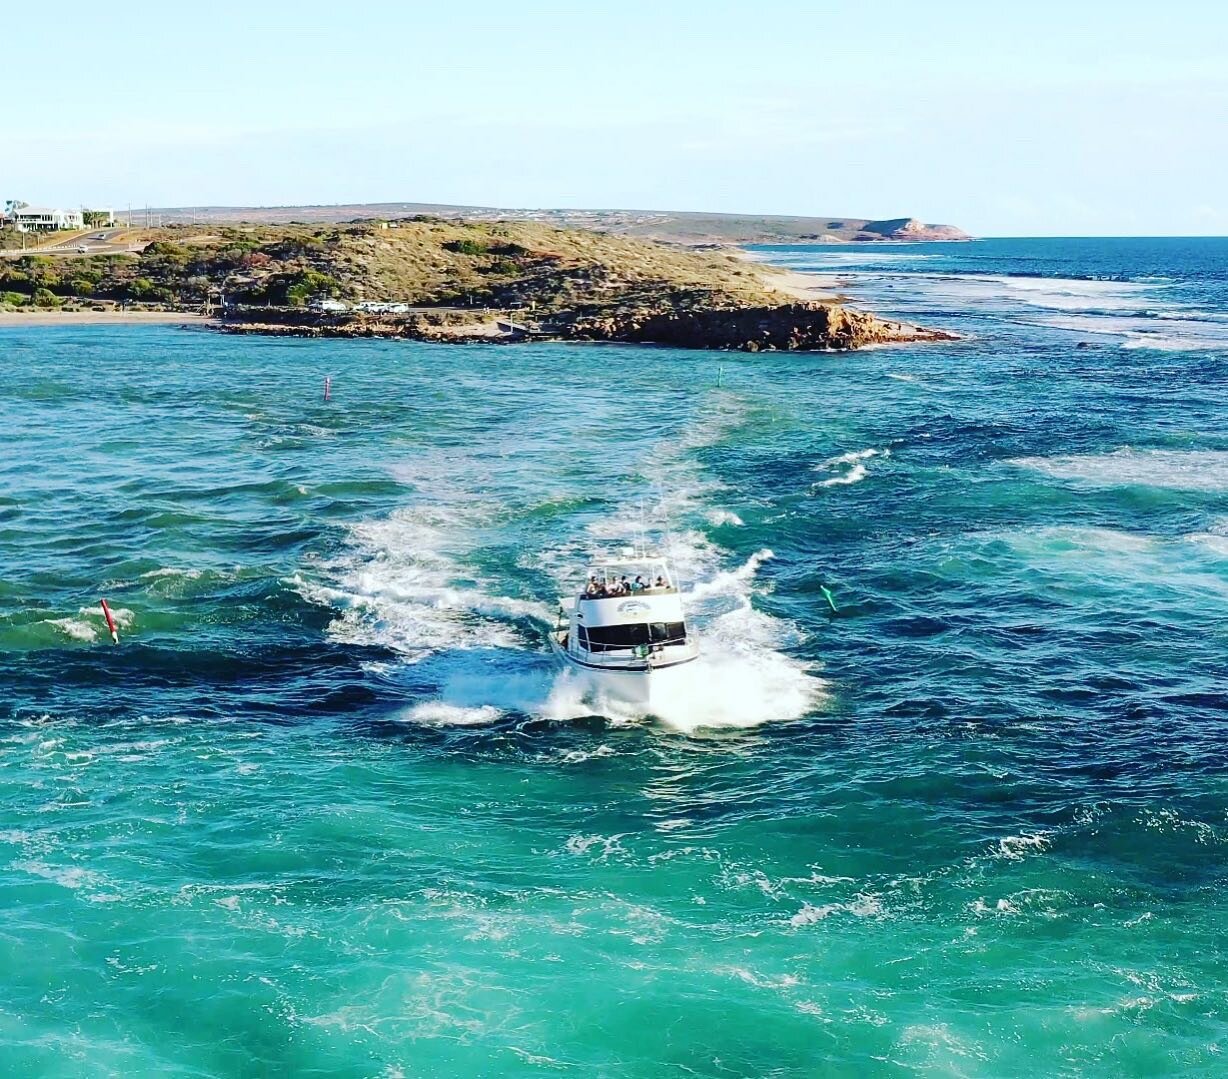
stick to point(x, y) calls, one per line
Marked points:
point(329, 809)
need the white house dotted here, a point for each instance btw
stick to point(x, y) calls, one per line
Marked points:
point(42, 219)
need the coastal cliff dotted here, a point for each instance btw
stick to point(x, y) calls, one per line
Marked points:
point(782, 327)
point(785, 327)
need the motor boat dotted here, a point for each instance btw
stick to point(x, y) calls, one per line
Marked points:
point(625, 634)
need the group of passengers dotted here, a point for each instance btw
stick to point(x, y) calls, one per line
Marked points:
point(608, 588)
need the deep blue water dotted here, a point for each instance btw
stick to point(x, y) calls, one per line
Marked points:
point(330, 809)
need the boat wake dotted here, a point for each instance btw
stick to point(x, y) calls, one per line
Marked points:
point(433, 584)
point(741, 679)
point(399, 584)
point(407, 584)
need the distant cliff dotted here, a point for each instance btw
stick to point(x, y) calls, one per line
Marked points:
point(909, 228)
point(703, 229)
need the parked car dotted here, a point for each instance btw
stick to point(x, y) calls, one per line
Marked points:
point(329, 305)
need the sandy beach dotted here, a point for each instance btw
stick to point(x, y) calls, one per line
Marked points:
point(99, 318)
point(801, 286)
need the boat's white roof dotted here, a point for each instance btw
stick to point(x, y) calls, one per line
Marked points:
point(626, 557)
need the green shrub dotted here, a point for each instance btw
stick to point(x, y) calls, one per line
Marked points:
point(295, 288)
point(467, 247)
point(46, 298)
point(169, 253)
point(12, 299)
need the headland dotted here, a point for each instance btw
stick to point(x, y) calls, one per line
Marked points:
point(437, 279)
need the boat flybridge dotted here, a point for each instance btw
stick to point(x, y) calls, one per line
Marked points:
point(625, 633)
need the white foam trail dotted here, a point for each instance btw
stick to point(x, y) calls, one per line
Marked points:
point(719, 517)
point(850, 458)
point(396, 587)
point(1015, 848)
point(732, 580)
point(1180, 470)
point(72, 877)
point(1162, 343)
point(170, 571)
point(123, 617)
point(442, 714)
point(853, 462)
point(1211, 541)
point(76, 628)
point(854, 475)
point(737, 684)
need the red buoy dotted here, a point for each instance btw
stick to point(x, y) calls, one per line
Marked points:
point(106, 613)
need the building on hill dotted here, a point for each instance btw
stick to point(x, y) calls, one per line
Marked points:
point(44, 219)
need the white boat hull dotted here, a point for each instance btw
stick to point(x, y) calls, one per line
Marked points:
point(653, 685)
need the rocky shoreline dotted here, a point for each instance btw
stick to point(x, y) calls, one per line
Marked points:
point(792, 327)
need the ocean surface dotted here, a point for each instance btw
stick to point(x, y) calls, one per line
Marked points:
point(330, 810)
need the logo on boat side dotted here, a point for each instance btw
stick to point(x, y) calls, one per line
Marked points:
point(632, 606)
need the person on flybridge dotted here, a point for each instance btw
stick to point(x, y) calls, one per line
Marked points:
point(607, 588)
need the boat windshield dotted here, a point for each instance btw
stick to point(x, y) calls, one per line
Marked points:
point(650, 635)
point(626, 577)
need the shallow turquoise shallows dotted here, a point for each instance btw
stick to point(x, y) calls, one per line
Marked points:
point(330, 810)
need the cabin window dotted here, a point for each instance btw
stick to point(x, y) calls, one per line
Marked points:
point(667, 632)
point(613, 638)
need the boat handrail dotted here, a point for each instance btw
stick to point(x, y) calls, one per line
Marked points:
point(622, 656)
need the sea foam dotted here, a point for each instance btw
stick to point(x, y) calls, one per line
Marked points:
point(850, 467)
point(1182, 470)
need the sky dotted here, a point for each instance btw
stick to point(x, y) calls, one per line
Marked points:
point(1027, 118)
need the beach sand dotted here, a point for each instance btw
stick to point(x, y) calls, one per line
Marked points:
point(99, 318)
point(800, 286)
